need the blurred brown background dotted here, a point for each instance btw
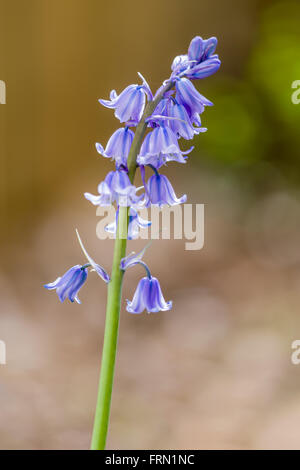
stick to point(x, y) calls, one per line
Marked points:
point(215, 372)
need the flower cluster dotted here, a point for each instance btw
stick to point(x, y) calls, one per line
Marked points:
point(176, 114)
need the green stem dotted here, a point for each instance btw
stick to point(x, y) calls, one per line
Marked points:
point(114, 294)
point(110, 340)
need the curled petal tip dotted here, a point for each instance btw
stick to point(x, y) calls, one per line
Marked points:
point(99, 148)
point(99, 270)
point(146, 87)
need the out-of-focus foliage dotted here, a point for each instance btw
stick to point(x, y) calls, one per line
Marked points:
point(234, 125)
point(275, 64)
point(255, 124)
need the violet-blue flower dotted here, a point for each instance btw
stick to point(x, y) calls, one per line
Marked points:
point(196, 48)
point(209, 47)
point(181, 123)
point(204, 69)
point(162, 109)
point(180, 64)
point(200, 56)
point(201, 49)
point(118, 146)
point(160, 192)
point(187, 95)
point(116, 187)
point(148, 296)
point(129, 105)
point(70, 283)
point(161, 146)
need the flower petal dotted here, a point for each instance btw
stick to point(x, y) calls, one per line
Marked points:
point(99, 270)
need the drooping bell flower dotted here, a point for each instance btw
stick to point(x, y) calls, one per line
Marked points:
point(148, 296)
point(134, 224)
point(180, 122)
point(187, 95)
point(129, 105)
point(69, 284)
point(118, 146)
point(161, 146)
point(160, 192)
point(116, 187)
point(182, 125)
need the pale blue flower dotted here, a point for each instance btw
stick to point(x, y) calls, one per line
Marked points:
point(204, 69)
point(192, 100)
point(201, 49)
point(129, 105)
point(161, 146)
point(160, 192)
point(116, 187)
point(118, 146)
point(200, 57)
point(148, 296)
point(69, 284)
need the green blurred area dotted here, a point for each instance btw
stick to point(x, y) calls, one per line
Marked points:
point(254, 120)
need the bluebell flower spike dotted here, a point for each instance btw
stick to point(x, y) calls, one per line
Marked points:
point(177, 116)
